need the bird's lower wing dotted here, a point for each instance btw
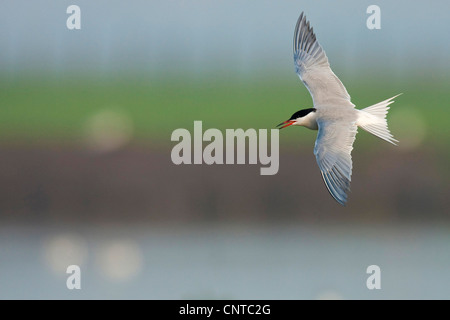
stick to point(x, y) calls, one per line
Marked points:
point(333, 149)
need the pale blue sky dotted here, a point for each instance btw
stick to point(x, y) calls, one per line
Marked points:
point(198, 36)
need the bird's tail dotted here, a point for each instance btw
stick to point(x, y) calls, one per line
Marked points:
point(373, 120)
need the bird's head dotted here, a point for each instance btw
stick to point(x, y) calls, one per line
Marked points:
point(297, 119)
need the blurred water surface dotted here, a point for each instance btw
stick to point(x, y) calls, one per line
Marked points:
point(230, 262)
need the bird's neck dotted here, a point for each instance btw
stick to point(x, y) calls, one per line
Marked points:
point(309, 121)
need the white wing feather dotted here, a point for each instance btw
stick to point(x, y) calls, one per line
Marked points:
point(333, 149)
point(313, 68)
point(336, 117)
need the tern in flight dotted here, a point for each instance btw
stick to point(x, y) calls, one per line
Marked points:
point(333, 114)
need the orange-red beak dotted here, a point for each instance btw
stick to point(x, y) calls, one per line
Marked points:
point(286, 124)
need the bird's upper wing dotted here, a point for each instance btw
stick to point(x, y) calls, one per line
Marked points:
point(333, 149)
point(313, 68)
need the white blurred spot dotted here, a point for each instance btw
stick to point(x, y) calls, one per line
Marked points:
point(408, 126)
point(64, 250)
point(120, 260)
point(329, 295)
point(108, 130)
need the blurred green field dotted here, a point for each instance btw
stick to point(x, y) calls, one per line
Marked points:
point(36, 109)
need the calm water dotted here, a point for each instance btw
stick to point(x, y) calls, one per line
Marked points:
point(295, 262)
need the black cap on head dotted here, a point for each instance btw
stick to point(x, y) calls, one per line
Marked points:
point(302, 113)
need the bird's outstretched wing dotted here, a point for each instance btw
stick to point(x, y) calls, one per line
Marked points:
point(313, 68)
point(333, 149)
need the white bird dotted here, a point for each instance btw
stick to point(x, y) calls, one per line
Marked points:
point(333, 114)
